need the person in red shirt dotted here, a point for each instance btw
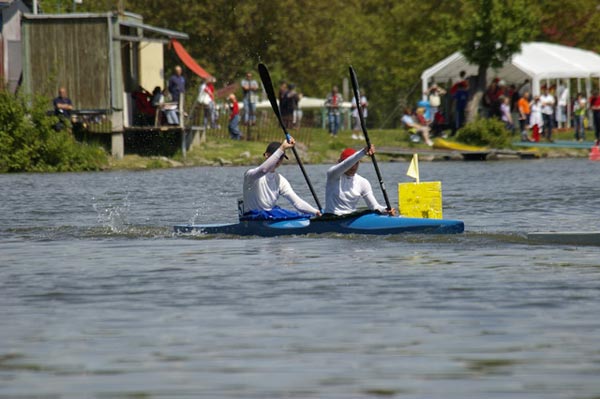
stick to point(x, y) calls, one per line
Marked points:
point(234, 118)
point(595, 107)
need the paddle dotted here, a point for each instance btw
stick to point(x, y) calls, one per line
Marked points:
point(364, 129)
point(268, 85)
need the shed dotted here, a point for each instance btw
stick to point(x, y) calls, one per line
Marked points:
point(100, 58)
point(10, 42)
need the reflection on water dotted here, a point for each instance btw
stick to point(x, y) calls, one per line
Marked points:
point(99, 299)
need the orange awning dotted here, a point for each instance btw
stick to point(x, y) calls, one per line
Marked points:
point(188, 61)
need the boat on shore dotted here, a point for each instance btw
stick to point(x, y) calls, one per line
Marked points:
point(371, 223)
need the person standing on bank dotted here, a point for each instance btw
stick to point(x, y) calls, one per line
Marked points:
point(333, 103)
point(250, 89)
point(234, 118)
point(547, 101)
point(176, 85)
point(357, 129)
point(344, 187)
point(579, 109)
point(263, 187)
point(594, 105)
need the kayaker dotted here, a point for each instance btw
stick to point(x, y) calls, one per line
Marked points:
point(344, 187)
point(263, 187)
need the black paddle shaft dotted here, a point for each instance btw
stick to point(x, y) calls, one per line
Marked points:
point(364, 129)
point(268, 85)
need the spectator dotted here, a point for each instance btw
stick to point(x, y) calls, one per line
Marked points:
point(357, 134)
point(434, 96)
point(410, 123)
point(579, 108)
point(250, 89)
point(176, 84)
point(547, 102)
point(212, 106)
point(536, 121)
point(297, 117)
point(561, 108)
point(595, 107)
point(439, 124)
point(169, 110)
point(292, 100)
point(462, 82)
point(524, 112)
point(286, 105)
point(333, 102)
point(234, 118)
point(461, 98)
point(514, 96)
point(205, 100)
point(62, 108)
point(506, 114)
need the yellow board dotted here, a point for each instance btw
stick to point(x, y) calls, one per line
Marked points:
point(420, 200)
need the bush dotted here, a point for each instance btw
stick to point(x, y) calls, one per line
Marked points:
point(28, 142)
point(485, 132)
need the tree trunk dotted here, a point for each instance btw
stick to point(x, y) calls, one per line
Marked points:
point(473, 106)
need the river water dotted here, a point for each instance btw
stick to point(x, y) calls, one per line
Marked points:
point(98, 299)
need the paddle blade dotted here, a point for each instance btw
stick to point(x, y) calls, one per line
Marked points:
point(265, 77)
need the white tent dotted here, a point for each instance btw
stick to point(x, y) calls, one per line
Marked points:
point(537, 62)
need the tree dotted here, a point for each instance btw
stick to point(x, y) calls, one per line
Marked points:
point(492, 31)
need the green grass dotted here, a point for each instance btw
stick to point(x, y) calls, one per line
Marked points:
point(314, 146)
point(319, 148)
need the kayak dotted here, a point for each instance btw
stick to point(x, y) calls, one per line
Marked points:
point(360, 223)
point(454, 146)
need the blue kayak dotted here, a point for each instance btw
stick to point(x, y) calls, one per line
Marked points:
point(361, 223)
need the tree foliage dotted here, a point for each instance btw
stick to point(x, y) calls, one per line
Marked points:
point(491, 31)
point(28, 142)
point(389, 42)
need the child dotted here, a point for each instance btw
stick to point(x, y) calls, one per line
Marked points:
point(234, 118)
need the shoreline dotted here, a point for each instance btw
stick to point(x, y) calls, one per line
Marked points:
point(385, 154)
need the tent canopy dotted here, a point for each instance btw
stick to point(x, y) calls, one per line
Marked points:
point(305, 103)
point(537, 61)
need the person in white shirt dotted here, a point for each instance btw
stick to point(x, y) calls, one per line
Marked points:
point(344, 187)
point(547, 102)
point(263, 187)
point(357, 129)
point(561, 107)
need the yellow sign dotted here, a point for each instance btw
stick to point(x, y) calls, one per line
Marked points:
point(420, 200)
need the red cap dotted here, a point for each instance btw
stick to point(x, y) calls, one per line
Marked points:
point(347, 153)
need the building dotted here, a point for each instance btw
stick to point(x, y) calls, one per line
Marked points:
point(103, 60)
point(10, 42)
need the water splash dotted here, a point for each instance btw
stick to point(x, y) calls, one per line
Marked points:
point(113, 216)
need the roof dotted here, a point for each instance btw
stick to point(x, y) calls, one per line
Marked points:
point(128, 19)
point(537, 60)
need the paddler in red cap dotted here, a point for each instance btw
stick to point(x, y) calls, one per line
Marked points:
point(344, 187)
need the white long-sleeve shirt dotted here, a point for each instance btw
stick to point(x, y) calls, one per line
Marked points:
point(263, 186)
point(342, 192)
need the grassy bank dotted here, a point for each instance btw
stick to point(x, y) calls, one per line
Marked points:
point(321, 148)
